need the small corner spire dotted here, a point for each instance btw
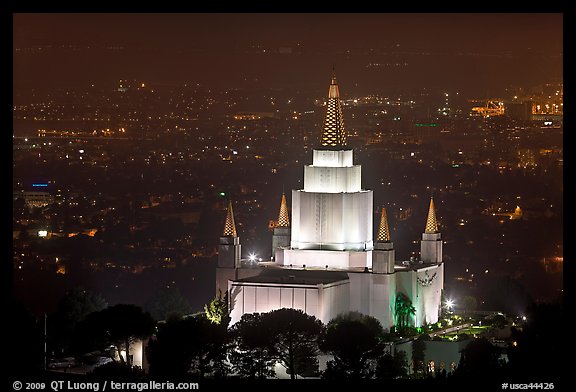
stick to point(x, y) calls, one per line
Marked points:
point(229, 226)
point(383, 231)
point(283, 219)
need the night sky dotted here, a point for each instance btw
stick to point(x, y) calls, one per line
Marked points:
point(472, 52)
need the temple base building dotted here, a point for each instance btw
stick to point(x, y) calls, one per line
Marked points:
point(327, 261)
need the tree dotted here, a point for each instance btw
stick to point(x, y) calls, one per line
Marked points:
point(536, 349)
point(118, 325)
point(419, 353)
point(392, 366)
point(371, 322)
point(78, 303)
point(252, 355)
point(499, 321)
point(295, 339)
point(217, 310)
point(25, 354)
point(190, 345)
point(73, 307)
point(166, 303)
point(479, 359)
point(403, 311)
point(355, 346)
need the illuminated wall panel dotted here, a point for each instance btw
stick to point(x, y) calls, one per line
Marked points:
point(332, 221)
point(300, 299)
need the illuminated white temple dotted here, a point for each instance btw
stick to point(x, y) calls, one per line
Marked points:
point(327, 262)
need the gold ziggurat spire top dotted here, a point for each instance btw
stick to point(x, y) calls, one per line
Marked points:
point(283, 220)
point(333, 133)
point(230, 227)
point(431, 224)
point(383, 232)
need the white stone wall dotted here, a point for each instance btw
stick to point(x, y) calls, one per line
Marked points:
point(331, 158)
point(322, 258)
point(332, 221)
point(431, 248)
point(332, 179)
point(322, 301)
point(424, 292)
point(373, 295)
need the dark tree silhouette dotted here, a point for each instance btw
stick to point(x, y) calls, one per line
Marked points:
point(252, 355)
point(78, 303)
point(537, 346)
point(371, 322)
point(166, 303)
point(74, 306)
point(419, 353)
point(479, 359)
point(26, 335)
point(355, 347)
point(295, 339)
point(170, 351)
point(192, 345)
point(392, 366)
point(118, 325)
point(499, 321)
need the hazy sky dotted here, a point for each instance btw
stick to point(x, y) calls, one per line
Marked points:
point(484, 32)
point(200, 46)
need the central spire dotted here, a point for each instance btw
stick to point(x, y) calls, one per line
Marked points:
point(431, 224)
point(333, 133)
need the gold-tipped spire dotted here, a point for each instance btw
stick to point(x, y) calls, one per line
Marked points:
point(383, 232)
point(431, 224)
point(283, 219)
point(333, 133)
point(230, 227)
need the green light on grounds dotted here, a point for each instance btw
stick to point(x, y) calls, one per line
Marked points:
point(222, 194)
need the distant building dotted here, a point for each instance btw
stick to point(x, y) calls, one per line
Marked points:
point(35, 198)
point(251, 116)
point(520, 111)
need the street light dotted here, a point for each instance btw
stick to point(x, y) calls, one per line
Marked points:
point(252, 257)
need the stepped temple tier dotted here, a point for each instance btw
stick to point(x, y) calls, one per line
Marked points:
point(325, 258)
